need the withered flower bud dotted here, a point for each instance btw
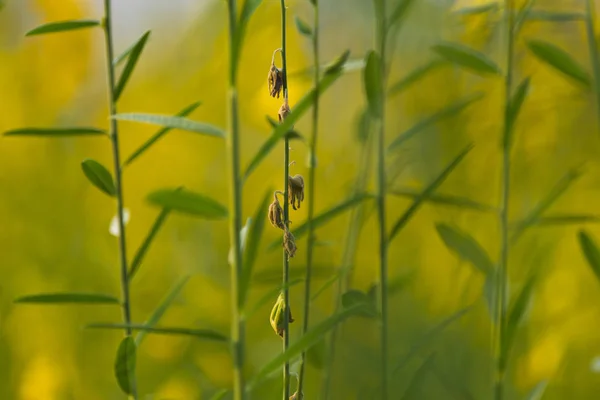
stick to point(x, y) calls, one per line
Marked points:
point(275, 81)
point(296, 188)
point(296, 396)
point(276, 214)
point(277, 315)
point(284, 111)
point(289, 243)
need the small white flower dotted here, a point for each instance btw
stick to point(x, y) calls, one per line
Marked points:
point(114, 223)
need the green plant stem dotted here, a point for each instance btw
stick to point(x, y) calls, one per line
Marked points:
point(235, 216)
point(381, 38)
point(286, 214)
point(311, 190)
point(502, 274)
point(114, 137)
point(594, 55)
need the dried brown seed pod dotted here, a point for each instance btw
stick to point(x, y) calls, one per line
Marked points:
point(275, 81)
point(284, 111)
point(276, 214)
point(289, 243)
point(296, 188)
point(277, 315)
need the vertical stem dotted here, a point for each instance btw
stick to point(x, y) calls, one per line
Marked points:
point(594, 56)
point(311, 189)
point(502, 277)
point(381, 38)
point(114, 136)
point(286, 213)
point(235, 205)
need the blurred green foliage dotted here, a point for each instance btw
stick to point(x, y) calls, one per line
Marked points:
point(54, 226)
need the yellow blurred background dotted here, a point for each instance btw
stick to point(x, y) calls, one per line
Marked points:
point(54, 225)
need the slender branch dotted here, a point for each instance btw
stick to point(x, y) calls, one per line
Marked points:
point(594, 54)
point(502, 277)
point(235, 219)
point(311, 191)
point(286, 212)
point(114, 136)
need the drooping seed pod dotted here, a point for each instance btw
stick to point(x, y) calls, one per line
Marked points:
point(284, 111)
point(275, 81)
point(276, 214)
point(289, 243)
point(277, 315)
point(296, 188)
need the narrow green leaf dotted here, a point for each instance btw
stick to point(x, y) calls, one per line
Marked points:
point(303, 27)
point(372, 81)
point(466, 57)
point(63, 26)
point(142, 149)
point(248, 10)
point(489, 295)
point(62, 298)
point(416, 75)
point(522, 15)
point(427, 192)
point(139, 256)
point(185, 201)
point(399, 13)
point(253, 246)
point(442, 199)
point(173, 123)
point(164, 304)
point(324, 217)
point(125, 365)
point(558, 190)
point(475, 10)
point(205, 334)
point(590, 251)
point(567, 219)
point(132, 60)
point(553, 16)
point(512, 110)
point(538, 391)
point(49, 132)
point(418, 381)
point(99, 176)
point(428, 337)
point(515, 317)
point(347, 66)
point(313, 336)
point(270, 295)
point(298, 111)
point(272, 275)
point(355, 297)
point(447, 112)
point(466, 247)
point(338, 65)
point(560, 60)
point(220, 395)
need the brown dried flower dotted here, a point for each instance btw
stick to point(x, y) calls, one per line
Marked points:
point(277, 315)
point(289, 243)
point(296, 188)
point(275, 81)
point(276, 214)
point(284, 111)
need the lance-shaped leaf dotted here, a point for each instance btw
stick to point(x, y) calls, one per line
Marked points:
point(554, 16)
point(515, 318)
point(427, 192)
point(475, 10)
point(248, 9)
point(206, 334)
point(558, 190)
point(567, 219)
point(399, 13)
point(132, 60)
point(416, 75)
point(324, 217)
point(220, 394)
point(418, 381)
point(142, 149)
point(188, 202)
point(173, 123)
point(466, 247)
point(466, 57)
point(298, 111)
point(125, 365)
point(139, 256)
point(538, 391)
point(590, 251)
point(99, 176)
point(161, 309)
point(560, 60)
point(253, 245)
point(68, 298)
point(444, 199)
point(303, 27)
point(50, 132)
point(313, 336)
point(512, 110)
point(447, 112)
point(372, 81)
point(355, 297)
point(63, 26)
